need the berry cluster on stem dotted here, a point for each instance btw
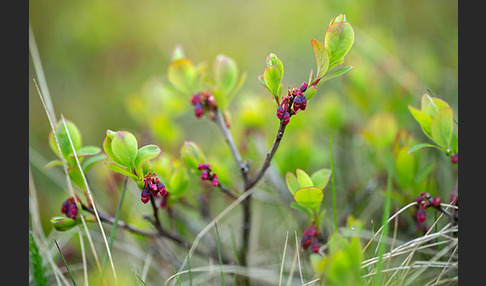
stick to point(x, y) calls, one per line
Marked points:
point(152, 187)
point(69, 208)
point(292, 103)
point(204, 102)
point(207, 174)
point(309, 238)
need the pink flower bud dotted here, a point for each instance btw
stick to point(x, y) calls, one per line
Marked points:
point(303, 87)
point(455, 158)
point(204, 175)
point(421, 215)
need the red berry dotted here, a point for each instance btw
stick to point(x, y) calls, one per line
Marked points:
point(280, 112)
point(195, 99)
point(198, 110)
point(303, 87)
point(215, 181)
point(455, 158)
point(286, 118)
point(436, 202)
point(421, 215)
point(305, 242)
point(204, 175)
point(315, 247)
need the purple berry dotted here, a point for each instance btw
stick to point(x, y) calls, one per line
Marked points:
point(297, 103)
point(204, 175)
point(436, 202)
point(305, 242)
point(286, 118)
point(421, 215)
point(304, 103)
point(303, 87)
point(198, 110)
point(145, 196)
point(280, 112)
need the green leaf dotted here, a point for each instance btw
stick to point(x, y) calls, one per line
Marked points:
point(442, 127)
point(309, 197)
point(145, 153)
point(305, 210)
point(118, 169)
point(86, 151)
point(405, 167)
point(191, 155)
point(90, 161)
point(225, 73)
point(431, 105)
point(423, 145)
point(182, 75)
point(124, 147)
point(272, 59)
point(303, 178)
point(310, 92)
point(320, 178)
point(61, 223)
point(271, 77)
point(63, 139)
point(322, 58)
point(51, 164)
point(338, 40)
point(424, 119)
point(455, 143)
point(107, 147)
point(335, 74)
point(292, 183)
point(178, 182)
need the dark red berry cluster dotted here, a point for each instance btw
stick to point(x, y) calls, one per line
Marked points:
point(425, 201)
point(207, 174)
point(292, 103)
point(203, 102)
point(309, 238)
point(153, 186)
point(69, 208)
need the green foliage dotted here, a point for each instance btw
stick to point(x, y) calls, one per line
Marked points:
point(87, 155)
point(342, 263)
point(436, 119)
point(38, 270)
point(308, 191)
point(122, 148)
point(61, 223)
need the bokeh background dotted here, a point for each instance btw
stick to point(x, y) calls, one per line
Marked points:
point(105, 61)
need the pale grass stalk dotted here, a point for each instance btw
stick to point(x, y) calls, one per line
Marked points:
point(283, 259)
point(209, 226)
point(146, 265)
point(64, 165)
point(83, 256)
point(298, 258)
point(90, 197)
point(34, 52)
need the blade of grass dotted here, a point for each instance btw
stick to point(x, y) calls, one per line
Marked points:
point(65, 263)
point(83, 256)
point(283, 259)
point(68, 179)
point(90, 197)
point(115, 224)
point(332, 183)
point(381, 247)
point(219, 253)
point(298, 258)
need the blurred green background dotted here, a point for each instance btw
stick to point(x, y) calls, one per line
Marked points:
point(104, 60)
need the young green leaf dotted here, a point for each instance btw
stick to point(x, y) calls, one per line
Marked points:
point(305, 210)
point(430, 105)
point(118, 169)
point(182, 75)
point(86, 151)
point(145, 153)
point(338, 40)
point(292, 182)
point(320, 178)
point(225, 73)
point(334, 74)
point(178, 182)
point(272, 59)
point(424, 119)
point(423, 145)
point(442, 127)
point(322, 58)
point(124, 147)
point(107, 147)
point(191, 155)
point(63, 139)
point(304, 179)
point(309, 197)
point(271, 77)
